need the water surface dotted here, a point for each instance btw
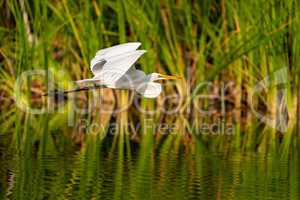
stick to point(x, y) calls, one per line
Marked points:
point(116, 168)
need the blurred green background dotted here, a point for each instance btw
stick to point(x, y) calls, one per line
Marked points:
point(250, 47)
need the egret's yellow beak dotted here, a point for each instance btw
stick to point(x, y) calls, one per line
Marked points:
point(167, 77)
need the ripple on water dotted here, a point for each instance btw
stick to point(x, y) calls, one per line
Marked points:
point(89, 174)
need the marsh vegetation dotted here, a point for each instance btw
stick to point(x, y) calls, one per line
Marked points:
point(225, 130)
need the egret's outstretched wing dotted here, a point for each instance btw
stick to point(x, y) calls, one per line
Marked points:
point(117, 66)
point(102, 55)
point(97, 65)
point(131, 79)
point(149, 89)
point(118, 49)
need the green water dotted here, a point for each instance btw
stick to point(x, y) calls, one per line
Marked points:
point(117, 168)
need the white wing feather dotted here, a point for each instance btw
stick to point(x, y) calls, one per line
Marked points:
point(131, 79)
point(103, 55)
point(118, 49)
point(117, 66)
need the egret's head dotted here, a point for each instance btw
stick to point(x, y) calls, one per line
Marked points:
point(158, 76)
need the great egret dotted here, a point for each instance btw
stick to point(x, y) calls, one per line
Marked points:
point(113, 67)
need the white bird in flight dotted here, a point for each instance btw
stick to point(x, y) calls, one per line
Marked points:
point(113, 67)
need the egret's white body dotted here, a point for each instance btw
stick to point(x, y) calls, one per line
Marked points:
point(113, 67)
